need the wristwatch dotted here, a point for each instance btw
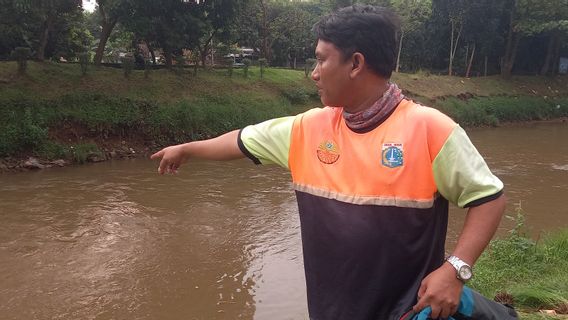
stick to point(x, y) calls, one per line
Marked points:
point(464, 271)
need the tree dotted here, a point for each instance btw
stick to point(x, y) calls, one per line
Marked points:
point(457, 12)
point(280, 30)
point(46, 12)
point(554, 23)
point(482, 31)
point(291, 32)
point(17, 27)
point(110, 12)
point(216, 19)
point(527, 18)
point(413, 15)
point(172, 25)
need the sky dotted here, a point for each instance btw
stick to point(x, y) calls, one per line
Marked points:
point(89, 5)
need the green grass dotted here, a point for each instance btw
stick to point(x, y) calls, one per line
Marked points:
point(491, 111)
point(534, 273)
point(54, 106)
point(538, 316)
point(167, 108)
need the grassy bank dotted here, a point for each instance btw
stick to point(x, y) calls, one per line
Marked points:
point(533, 275)
point(55, 112)
point(492, 111)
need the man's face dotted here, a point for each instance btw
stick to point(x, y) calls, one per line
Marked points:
point(331, 75)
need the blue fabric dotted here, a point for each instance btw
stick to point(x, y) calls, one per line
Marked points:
point(466, 302)
point(465, 308)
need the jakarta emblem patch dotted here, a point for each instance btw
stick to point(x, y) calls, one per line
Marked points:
point(392, 155)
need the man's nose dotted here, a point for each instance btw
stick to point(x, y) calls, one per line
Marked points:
point(315, 74)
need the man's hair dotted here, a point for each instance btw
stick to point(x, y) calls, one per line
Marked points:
point(370, 30)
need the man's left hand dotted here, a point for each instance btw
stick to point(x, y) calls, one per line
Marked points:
point(441, 290)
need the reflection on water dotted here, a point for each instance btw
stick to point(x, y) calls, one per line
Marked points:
point(218, 241)
point(116, 240)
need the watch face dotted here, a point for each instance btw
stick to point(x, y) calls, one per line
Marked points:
point(465, 273)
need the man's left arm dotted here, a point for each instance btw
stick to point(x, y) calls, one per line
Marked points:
point(441, 289)
point(464, 179)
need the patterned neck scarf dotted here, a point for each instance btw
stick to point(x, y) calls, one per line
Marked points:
point(377, 113)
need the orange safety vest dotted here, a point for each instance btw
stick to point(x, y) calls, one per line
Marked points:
point(373, 224)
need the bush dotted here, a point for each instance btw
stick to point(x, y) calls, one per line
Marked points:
point(127, 66)
point(230, 62)
point(309, 66)
point(490, 111)
point(296, 95)
point(52, 150)
point(21, 54)
point(21, 129)
point(147, 68)
point(535, 274)
point(262, 63)
point(81, 152)
point(180, 62)
point(247, 63)
point(84, 58)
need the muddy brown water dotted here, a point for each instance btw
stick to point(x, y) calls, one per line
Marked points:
point(218, 241)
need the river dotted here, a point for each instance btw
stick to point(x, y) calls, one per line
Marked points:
point(115, 240)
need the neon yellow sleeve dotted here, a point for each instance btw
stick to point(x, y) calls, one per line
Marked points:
point(268, 142)
point(461, 174)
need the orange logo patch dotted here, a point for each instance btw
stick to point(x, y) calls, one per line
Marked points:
point(328, 152)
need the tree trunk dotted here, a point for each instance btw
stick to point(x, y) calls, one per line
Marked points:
point(168, 57)
point(265, 50)
point(451, 49)
point(509, 60)
point(470, 61)
point(44, 36)
point(549, 54)
point(485, 67)
point(399, 51)
point(105, 35)
point(152, 54)
point(454, 46)
point(203, 55)
point(510, 47)
point(465, 61)
point(556, 56)
point(203, 50)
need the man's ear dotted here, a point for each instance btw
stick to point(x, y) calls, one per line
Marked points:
point(358, 64)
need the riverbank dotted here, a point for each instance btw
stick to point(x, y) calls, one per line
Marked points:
point(531, 275)
point(53, 116)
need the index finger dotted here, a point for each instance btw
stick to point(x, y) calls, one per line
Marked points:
point(421, 304)
point(157, 155)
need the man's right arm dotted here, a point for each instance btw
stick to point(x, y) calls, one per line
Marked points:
point(224, 147)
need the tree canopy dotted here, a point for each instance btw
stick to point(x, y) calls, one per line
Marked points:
point(456, 37)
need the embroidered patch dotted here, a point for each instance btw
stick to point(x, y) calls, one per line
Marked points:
point(392, 155)
point(328, 152)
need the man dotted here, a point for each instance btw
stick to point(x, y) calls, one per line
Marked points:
point(373, 174)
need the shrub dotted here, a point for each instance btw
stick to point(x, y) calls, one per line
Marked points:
point(296, 95)
point(229, 61)
point(21, 54)
point(180, 62)
point(309, 66)
point(534, 274)
point(147, 68)
point(127, 66)
point(52, 150)
point(81, 152)
point(247, 63)
point(262, 63)
point(21, 129)
point(84, 58)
